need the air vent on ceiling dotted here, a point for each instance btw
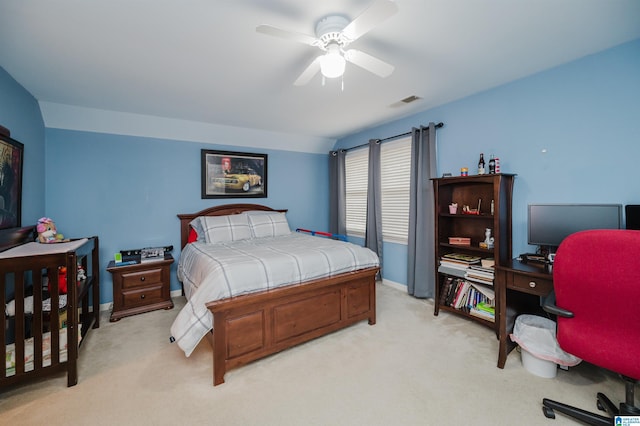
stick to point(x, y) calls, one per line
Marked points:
point(405, 101)
point(410, 99)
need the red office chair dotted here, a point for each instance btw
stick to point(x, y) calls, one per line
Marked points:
point(596, 279)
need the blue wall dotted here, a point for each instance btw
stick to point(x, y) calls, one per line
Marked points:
point(585, 114)
point(20, 113)
point(128, 190)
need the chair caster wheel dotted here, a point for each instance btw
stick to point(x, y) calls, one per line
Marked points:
point(548, 412)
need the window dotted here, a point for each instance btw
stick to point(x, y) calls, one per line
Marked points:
point(356, 164)
point(395, 159)
point(395, 165)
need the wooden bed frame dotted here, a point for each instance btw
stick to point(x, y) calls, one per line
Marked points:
point(253, 326)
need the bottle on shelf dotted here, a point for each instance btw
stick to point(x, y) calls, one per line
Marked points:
point(492, 165)
point(481, 164)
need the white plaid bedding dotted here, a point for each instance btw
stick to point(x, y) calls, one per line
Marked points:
point(216, 271)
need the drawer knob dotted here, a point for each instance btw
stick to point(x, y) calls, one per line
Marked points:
point(142, 278)
point(142, 296)
point(532, 284)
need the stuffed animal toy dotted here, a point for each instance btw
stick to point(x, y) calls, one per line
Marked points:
point(62, 279)
point(47, 232)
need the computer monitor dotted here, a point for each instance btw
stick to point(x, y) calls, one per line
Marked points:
point(549, 224)
point(632, 215)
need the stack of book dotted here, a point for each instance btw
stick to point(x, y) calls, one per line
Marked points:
point(469, 297)
point(456, 264)
point(484, 310)
point(479, 274)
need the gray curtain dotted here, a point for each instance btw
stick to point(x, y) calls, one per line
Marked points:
point(421, 250)
point(337, 190)
point(373, 233)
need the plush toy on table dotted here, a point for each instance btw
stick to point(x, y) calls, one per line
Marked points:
point(47, 232)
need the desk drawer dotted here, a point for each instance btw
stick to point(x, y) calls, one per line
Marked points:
point(533, 285)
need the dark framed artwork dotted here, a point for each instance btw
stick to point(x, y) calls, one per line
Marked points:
point(11, 157)
point(227, 174)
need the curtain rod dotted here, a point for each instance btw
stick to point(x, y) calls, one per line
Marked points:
point(439, 125)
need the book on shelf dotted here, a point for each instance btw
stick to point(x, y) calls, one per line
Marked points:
point(482, 271)
point(452, 291)
point(151, 254)
point(456, 272)
point(465, 295)
point(478, 278)
point(483, 306)
point(482, 314)
point(445, 289)
point(462, 295)
point(452, 264)
point(461, 258)
point(487, 292)
point(479, 274)
point(479, 281)
point(489, 262)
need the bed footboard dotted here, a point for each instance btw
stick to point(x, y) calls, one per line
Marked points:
point(251, 327)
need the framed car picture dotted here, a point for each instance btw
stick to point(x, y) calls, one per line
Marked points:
point(11, 153)
point(228, 174)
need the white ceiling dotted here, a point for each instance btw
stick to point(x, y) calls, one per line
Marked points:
point(203, 61)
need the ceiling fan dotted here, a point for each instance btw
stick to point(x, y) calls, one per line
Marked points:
point(333, 34)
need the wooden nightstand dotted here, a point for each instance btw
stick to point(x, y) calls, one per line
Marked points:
point(142, 287)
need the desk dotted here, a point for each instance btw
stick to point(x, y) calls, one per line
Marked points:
point(519, 287)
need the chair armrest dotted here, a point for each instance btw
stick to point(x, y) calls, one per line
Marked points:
point(550, 306)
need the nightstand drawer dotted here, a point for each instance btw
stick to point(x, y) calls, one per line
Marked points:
point(532, 285)
point(141, 278)
point(142, 296)
point(141, 287)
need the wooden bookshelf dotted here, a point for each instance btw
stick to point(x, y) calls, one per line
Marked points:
point(469, 190)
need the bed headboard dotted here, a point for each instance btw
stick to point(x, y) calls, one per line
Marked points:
point(222, 210)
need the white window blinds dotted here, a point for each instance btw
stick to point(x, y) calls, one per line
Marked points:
point(395, 158)
point(395, 164)
point(356, 164)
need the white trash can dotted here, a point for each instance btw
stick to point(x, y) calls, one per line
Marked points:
point(540, 351)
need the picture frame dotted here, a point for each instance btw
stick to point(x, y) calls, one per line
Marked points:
point(11, 164)
point(227, 174)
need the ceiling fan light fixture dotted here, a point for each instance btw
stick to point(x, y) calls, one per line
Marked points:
point(332, 64)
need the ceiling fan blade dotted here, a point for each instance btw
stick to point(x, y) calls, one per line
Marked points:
point(308, 73)
point(369, 63)
point(288, 35)
point(371, 17)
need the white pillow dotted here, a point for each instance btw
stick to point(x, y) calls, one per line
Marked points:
point(197, 227)
point(268, 224)
point(220, 229)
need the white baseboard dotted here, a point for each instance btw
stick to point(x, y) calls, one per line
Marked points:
point(394, 285)
point(401, 287)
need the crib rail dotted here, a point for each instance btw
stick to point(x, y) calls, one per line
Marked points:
point(38, 330)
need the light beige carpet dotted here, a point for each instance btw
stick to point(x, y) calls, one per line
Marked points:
point(411, 368)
